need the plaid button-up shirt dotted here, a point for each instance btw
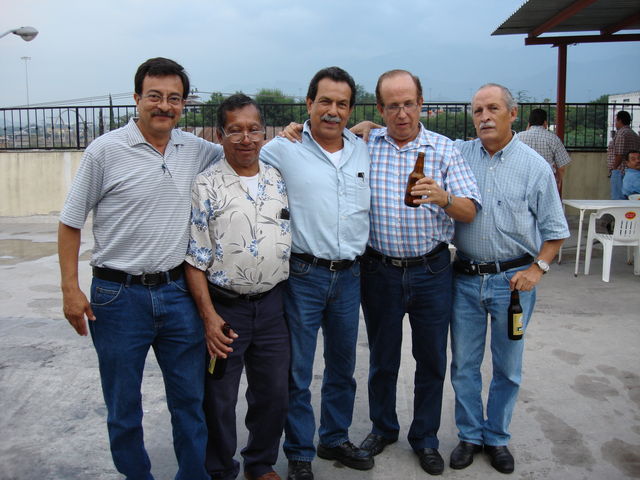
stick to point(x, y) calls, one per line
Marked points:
point(547, 144)
point(400, 231)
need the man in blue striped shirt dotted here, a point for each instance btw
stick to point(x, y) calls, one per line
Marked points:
point(137, 181)
point(406, 267)
point(507, 247)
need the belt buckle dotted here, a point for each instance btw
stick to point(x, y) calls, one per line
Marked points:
point(396, 262)
point(332, 265)
point(479, 268)
point(150, 279)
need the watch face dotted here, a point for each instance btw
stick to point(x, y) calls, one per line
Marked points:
point(544, 266)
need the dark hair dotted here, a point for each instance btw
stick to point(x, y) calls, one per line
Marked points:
point(337, 75)
point(393, 73)
point(234, 102)
point(632, 151)
point(624, 117)
point(537, 116)
point(161, 67)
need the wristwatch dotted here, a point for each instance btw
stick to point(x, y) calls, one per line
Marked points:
point(544, 266)
point(449, 201)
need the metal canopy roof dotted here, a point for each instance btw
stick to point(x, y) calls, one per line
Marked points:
point(607, 17)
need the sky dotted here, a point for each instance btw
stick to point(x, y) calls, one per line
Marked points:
point(93, 48)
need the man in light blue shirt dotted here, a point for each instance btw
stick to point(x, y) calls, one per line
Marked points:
point(327, 179)
point(631, 179)
point(507, 247)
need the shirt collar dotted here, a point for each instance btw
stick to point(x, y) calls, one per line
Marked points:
point(230, 176)
point(135, 137)
point(509, 147)
point(422, 139)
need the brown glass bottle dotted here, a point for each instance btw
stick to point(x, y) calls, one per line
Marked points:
point(514, 317)
point(414, 176)
point(217, 366)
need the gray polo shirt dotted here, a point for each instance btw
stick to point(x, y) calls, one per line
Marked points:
point(141, 199)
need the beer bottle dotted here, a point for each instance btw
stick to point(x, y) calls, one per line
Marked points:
point(414, 176)
point(514, 315)
point(217, 366)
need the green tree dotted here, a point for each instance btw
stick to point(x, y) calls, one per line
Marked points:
point(362, 96)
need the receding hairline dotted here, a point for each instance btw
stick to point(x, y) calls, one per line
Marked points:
point(397, 73)
point(506, 95)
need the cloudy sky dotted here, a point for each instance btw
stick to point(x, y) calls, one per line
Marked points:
point(92, 48)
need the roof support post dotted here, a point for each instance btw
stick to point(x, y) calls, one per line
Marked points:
point(562, 90)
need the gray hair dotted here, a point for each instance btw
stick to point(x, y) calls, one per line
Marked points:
point(506, 94)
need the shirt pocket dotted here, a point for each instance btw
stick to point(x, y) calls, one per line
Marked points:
point(513, 215)
point(357, 191)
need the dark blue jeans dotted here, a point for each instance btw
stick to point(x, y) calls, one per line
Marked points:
point(388, 293)
point(262, 350)
point(316, 297)
point(129, 320)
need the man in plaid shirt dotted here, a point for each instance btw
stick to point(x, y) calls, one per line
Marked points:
point(406, 267)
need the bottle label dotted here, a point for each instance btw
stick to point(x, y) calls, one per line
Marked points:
point(517, 324)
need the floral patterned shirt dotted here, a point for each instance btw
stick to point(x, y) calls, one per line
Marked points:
point(242, 243)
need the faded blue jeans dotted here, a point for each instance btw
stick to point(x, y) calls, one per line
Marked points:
point(475, 297)
point(317, 297)
point(130, 319)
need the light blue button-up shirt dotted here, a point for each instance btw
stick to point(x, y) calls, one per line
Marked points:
point(521, 205)
point(329, 205)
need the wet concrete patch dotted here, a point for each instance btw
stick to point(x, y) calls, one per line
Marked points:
point(598, 388)
point(45, 288)
point(45, 303)
point(18, 356)
point(568, 443)
point(568, 357)
point(630, 380)
point(622, 455)
point(14, 251)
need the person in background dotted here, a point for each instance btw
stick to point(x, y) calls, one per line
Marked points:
point(631, 181)
point(624, 141)
point(546, 143)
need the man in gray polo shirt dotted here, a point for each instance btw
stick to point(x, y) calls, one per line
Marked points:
point(137, 181)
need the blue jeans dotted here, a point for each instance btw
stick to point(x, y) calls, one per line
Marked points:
point(475, 297)
point(317, 297)
point(424, 292)
point(616, 185)
point(129, 320)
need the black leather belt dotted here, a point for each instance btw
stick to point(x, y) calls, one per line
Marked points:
point(487, 268)
point(406, 261)
point(224, 295)
point(333, 265)
point(146, 279)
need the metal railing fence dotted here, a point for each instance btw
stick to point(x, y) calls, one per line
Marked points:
point(587, 125)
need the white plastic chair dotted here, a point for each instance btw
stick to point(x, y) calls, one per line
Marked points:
point(626, 232)
point(634, 196)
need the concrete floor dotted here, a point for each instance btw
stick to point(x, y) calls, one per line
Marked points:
point(578, 415)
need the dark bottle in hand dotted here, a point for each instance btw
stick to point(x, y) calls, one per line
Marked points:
point(414, 176)
point(514, 317)
point(217, 366)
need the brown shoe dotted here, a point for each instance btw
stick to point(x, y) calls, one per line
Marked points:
point(265, 476)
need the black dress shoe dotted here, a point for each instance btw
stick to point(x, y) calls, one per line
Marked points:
point(299, 470)
point(347, 454)
point(374, 444)
point(431, 461)
point(501, 458)
point(462, 455)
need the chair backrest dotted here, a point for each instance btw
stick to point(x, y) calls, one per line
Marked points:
point(627, 222)
point(634, 196)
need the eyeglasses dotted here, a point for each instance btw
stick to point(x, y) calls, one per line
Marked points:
point(395, 109)
point(174, 100)
point(237, 137)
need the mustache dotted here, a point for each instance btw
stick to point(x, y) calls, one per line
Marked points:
point(489, 124)
point(330, 118)
point(160, 113)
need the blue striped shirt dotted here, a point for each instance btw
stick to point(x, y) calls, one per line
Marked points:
point(141, 199)
point(329, 205)
point(401, 231)
point(521, 205)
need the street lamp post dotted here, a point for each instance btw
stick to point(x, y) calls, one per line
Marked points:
point(26, 33)
point(26, 75)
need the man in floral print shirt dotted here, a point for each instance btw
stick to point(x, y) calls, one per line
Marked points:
point(237, 258)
